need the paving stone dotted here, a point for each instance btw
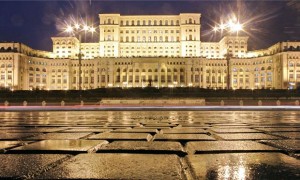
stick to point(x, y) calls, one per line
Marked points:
point(143, 127)
point(159, 125)
point(142, 146)
point(183, 131)
point(87, 130)
point(290, 145)
point(59, 136)
point(183, 137)
point(247, 136)
point(244, 166)
point(35, 130)
point(135, 131)
point(122, 136)
point(236, 130)
point(10, 144)
point(291, 135)
point(78, 145)
point(117, 166)
point(16, 136)
point(226, 146)
point(280, 129)
point(17, 165)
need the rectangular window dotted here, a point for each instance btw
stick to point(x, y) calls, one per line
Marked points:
point(169, 78)
point(162, 79)
point(137, 78)
point(103, 78)
point(124, 78)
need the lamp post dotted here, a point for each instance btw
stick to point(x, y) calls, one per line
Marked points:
point(77, 29)
point(230, 27)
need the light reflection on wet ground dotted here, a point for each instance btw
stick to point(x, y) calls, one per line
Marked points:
point(145, 144)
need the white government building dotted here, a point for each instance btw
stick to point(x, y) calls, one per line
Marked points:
point(138, 51)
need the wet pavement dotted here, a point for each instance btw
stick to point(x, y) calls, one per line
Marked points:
point(150, 145)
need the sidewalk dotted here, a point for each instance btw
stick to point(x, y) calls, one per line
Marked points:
point(150, 145)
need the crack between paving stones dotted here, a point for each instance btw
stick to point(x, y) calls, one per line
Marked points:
point(32, 175)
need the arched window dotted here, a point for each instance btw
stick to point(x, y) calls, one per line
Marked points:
point(160, 22)
point(181, 69)
point(177, 22)
point(137, 70)
point(149, 70)
point(162, 70)
point(269, 68)
point(143, 70)
point(132, 22)
point(31, 69)
point(132, 39)
point(172, 22)
point(144, 22)
point(190, 21)
point(155, 22)
point(109, 21)
point(149, 22)
point(118, 70)
point(138, 22)
point(241, 70)
point(262, 68)
point(124, 70)
point(166, 22)
point(175, 70)
point(121, 23)
point(169, 70)
point(64, 70)
point(44, 70)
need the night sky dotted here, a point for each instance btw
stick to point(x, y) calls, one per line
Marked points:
point(35, 22)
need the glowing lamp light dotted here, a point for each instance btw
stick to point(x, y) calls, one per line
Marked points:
point(86, 28)
point(77, 26)
point(215, 29)
point(92, 29)
point(222, 26)
point(236, 27)
point(69, 29)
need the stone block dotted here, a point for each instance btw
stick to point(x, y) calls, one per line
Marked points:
point(117, 166)
point(226, 146)
point(244, 166)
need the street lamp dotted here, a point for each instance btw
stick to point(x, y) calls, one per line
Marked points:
point(76, 29)
point(232, 26)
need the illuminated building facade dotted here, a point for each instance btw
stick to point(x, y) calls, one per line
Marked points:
point(157, 51)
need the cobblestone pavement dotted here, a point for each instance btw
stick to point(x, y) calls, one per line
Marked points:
point(150, 145)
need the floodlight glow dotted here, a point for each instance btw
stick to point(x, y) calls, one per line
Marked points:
point(222, 26)
point(69, 29)
point(92, 29)
point(86, 28)
point(77, 26)
point(236, 27)
point(215, 29)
